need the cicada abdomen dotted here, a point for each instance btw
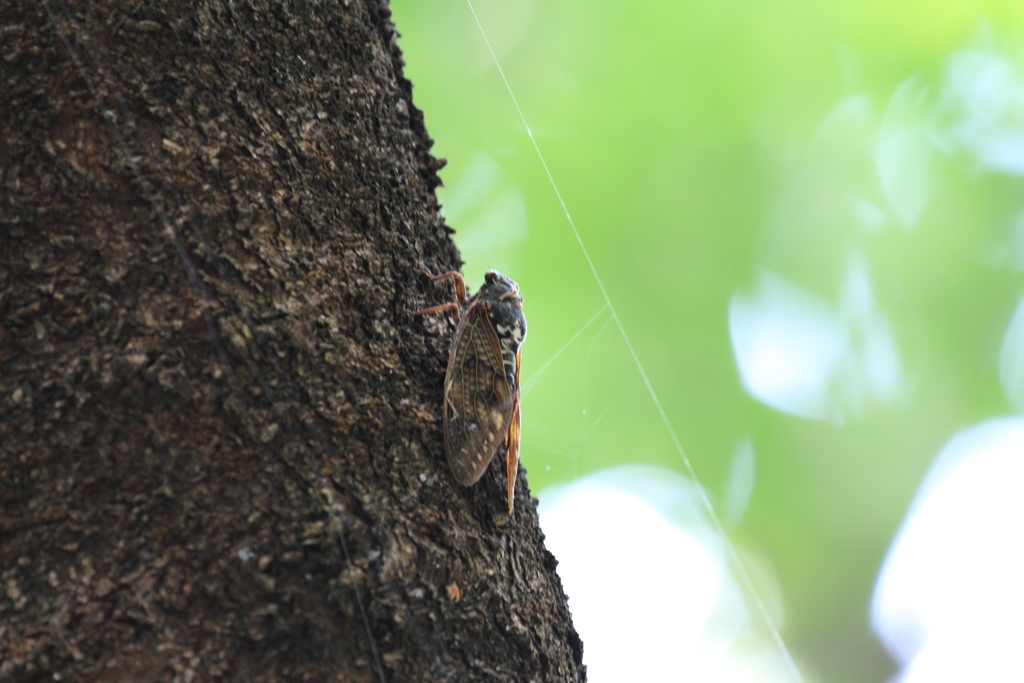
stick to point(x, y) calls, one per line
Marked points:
point(481, 386)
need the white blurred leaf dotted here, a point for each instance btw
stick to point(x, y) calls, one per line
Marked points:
point(949, 598)
point(800, 355)
point(662, 591)
point(903, 153)
point(982, 110)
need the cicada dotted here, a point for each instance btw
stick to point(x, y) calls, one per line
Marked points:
point(481, 386)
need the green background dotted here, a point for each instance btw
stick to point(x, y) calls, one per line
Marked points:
point(695, 144)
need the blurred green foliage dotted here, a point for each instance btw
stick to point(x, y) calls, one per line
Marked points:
point(697, 145)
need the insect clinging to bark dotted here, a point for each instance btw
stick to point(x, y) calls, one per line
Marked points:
point(481, 386)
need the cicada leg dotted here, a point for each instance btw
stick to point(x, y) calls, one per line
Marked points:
point(460, 284)
point(460, 294)
point(512, 454)
point(454, 307)
point(512, 439)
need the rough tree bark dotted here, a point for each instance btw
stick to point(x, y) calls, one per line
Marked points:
point(236, 472)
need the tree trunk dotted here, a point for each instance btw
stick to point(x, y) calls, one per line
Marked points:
point(220, 442)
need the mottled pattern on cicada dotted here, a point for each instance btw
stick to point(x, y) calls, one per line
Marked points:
point(481, 388)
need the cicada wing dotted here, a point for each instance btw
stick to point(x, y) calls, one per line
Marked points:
point(478, 402)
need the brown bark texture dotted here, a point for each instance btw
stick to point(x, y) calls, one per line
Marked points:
point(221, 454)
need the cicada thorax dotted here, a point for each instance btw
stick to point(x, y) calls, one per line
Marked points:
point(509, 323)
point(481, 392)
point(510, 326)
